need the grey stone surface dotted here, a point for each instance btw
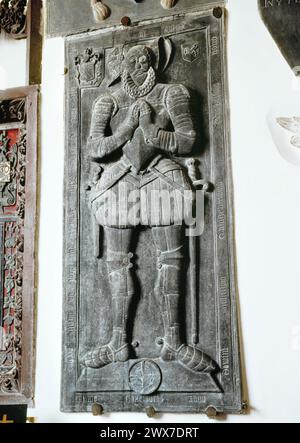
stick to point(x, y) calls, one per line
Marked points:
point(149, 315)
point(282, 19)
point(66, 17)
point(126, 377)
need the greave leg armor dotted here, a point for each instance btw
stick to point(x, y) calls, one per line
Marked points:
point(119, 268)
point(168, 241)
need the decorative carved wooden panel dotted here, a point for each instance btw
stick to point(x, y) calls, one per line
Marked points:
point(149, 314)
point(18, 175)
point(13, 15)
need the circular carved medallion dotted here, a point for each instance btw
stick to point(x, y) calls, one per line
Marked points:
point(145, 377)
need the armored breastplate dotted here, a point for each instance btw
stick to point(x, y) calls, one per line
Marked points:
point(137, 151)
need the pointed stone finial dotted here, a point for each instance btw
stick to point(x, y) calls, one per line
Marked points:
point(100, 10)
point(168, 4)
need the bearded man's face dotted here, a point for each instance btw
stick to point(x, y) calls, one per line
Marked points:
point(137, 64)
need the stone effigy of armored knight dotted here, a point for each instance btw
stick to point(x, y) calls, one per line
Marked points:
point(143, 123)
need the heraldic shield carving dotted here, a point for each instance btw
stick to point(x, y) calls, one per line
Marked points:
point(150, 298)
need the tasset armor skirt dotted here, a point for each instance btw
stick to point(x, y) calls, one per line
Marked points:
point(161, 195)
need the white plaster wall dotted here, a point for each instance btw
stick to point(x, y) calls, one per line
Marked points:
point(267, 211)
point(12, 62)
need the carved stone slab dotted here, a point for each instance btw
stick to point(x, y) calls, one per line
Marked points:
point(139, 330)
point(65, 17)
point(18, 171)
point(282, 18)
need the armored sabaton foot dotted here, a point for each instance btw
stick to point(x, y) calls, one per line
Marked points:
point(117, 350)
point(190, 357)
point(105, 355)
point(170, 265)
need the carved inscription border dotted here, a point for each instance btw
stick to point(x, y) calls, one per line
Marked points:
point(229, 400)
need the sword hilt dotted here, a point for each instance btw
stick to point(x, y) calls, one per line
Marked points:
point(193, 172)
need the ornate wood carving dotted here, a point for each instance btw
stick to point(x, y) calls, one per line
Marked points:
point(18, 136)
point(13, 17)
